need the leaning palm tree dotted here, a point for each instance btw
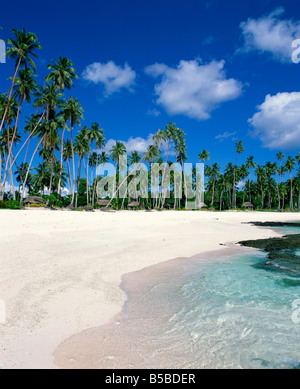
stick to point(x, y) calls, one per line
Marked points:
point(25, 86)
point(290, 166)
point(22, 48)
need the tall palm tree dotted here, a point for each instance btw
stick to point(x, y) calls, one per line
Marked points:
point(103, 158)
point(158, 138)
point(81, 148)
point(280, 156)
point(74, 113)
point(116, 151)
point(243, 173)
point(25, 85)
point(94, 134)
point(290, 166)
point(250, 164)
point(214, 174)
point(239, 149)
point(67, 155)
point(21, 49)
point(261, 177)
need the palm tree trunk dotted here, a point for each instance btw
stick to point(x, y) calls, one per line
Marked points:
point(61, 159)
point(73, 178)
point(51, 176)
point(13, 138)
point(87, 178)
point(291, 196)
point(125, 179)
point(78, 179)
point(221, 200)
point(26, 177)
point(10, 93)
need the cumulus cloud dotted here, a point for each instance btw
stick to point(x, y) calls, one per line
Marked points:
point(111, 76)
point(271, 34)
point(277, 122)
point(132, 144)
point(192, 88)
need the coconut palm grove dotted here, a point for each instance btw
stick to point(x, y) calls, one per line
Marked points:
point(66, 149)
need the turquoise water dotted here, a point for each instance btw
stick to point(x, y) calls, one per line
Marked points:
point(229, 314)
point(238, 316)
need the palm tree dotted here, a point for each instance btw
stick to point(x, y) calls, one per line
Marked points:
point(103, 158)
point(290, 165)
point(223, 184)
point(74, 113)
point(62, 73)
point(239, 149)
point(21, 49)
point(250, 164)
point(67, 155)
point(280, 156)
point(94, 134)
point(81, 148)
point(214, 173)
point(25, 85)
point(204, 156)
point(261, 177)
point(243, 173)
point(158, 138)
point(116, 151)
point(170, 134)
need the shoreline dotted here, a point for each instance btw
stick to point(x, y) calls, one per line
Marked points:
point(61, 275)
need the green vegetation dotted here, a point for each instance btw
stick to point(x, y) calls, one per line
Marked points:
point(66, 146)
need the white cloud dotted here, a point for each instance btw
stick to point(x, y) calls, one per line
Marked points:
point(132, 144)
point(225, 135)
point(271, 34)
point(277, 122)
point(153, 112)
point(192, 88)
point(111, 76)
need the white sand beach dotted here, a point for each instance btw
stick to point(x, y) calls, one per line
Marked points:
point(61, 271)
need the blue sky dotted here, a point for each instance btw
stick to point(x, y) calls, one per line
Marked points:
point(221, 70)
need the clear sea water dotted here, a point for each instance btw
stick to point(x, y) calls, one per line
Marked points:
point(189, 313)
point(226, 314)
